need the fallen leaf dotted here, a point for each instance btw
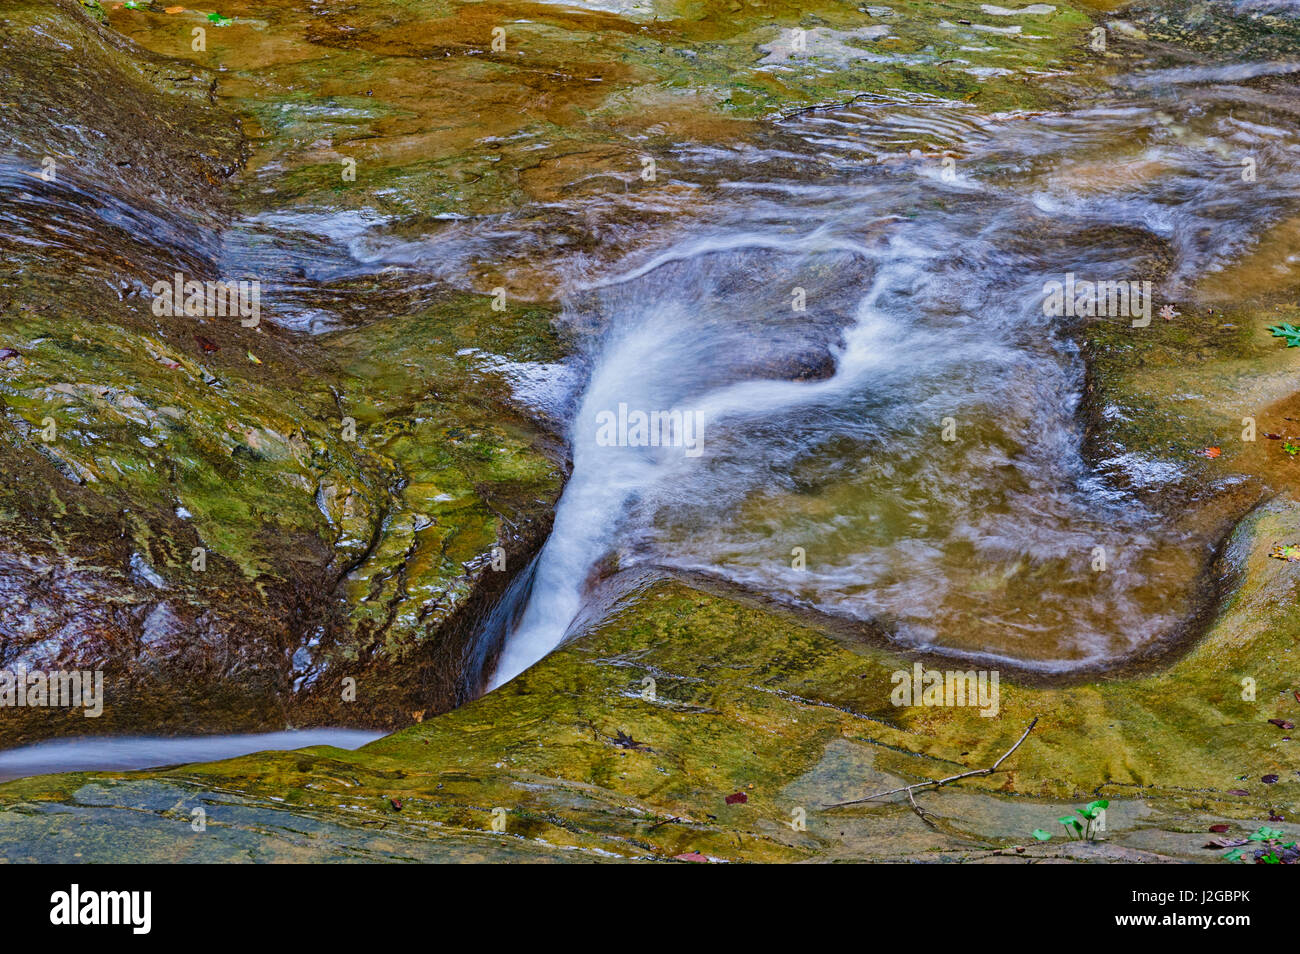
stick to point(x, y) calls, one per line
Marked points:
point(737, 798)
point(690, 856)
point(1290, 332)
point(1282, 723)
point(253, 358)
point(1226, 842)
point(395, 803)
point(207, 344)
point(1219, 829)
point(1212, 452)
point(174, 10)
point(1269, 779)
point(1238, 791)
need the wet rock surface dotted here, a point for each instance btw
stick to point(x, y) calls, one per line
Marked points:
point(226, 520)
point(136, 152)
point(355, 469)
point(631, 742)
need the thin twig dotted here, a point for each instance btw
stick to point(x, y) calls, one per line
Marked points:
point(814, 108)
point(942, 781)
point(921, 813)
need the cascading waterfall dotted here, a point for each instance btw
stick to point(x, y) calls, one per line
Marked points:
point(659, 361)
point(823, 427)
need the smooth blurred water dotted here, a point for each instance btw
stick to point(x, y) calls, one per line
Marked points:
point(822, 427)
point(123, 754)
point(924, 291)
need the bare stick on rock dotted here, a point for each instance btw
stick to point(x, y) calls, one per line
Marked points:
point(942, 781)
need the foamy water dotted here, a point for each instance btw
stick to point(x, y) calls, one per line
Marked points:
point(924, 292)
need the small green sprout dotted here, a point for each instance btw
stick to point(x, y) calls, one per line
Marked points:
point(1075, 829)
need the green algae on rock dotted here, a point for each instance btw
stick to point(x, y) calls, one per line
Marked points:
point(322, 556)
point(350, 491)
point(625, 743)
point(185, 506)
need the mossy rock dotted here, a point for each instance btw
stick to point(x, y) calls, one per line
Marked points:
point(627, 742)
point(184, 504)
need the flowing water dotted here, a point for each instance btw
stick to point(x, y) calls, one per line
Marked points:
point(926, 291)
point(124, 754)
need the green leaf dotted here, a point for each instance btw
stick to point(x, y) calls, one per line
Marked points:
point(1290, 332)
point(1099, 803)
point(1042, 835)
point(1070, 822)
point(1234, 855)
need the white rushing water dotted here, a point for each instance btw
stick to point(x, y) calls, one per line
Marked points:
point(655, 362)
point(924, 303)
point(125, 753)
point(667, 352)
